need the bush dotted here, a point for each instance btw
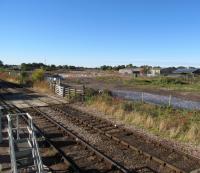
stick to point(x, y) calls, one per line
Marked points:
point(38, 75)
point(107, 92)
point(168, 81)
point(127, 106)
point(89, 92)
point(23, 78)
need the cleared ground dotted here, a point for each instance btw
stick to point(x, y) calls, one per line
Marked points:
point(176, 87)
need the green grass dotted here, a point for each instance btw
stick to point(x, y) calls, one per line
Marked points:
point(177, 84)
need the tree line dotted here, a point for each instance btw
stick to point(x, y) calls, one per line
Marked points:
point(33, 66)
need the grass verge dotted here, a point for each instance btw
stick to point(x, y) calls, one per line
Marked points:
point(177, 124)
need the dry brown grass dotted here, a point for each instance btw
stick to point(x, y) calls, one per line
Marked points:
point(166, 125)
point(42, 86)
point(174, 131)
point(4, 76)
point(149, 123)
point(193, 133)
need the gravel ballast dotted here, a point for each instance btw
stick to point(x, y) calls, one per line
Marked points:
point(129, 158)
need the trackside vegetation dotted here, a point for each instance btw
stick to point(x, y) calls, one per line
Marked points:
point(178, 124)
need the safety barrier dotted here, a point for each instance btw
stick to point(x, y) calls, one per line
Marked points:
point(60, 90)
point(16, 137)
point(71, 93)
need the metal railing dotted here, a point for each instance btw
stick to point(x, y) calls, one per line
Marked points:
point(11, 145)
point(14, 126)
point(35, 148)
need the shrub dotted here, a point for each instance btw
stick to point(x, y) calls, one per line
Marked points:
point(23, 78)
point(107, 92)
point(38, 75)
point(168, 81)
point(127, 106)
point(89, 92)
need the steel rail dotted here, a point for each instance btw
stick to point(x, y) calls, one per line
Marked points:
point(83, 142)
point(15, 109)
point(155, 158)
point(70, 133)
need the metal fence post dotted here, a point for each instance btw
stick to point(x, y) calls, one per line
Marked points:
point(17, 126)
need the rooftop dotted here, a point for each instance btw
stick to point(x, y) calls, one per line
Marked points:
point(186, 70)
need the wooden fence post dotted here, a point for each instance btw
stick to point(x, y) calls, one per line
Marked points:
point(83, 94)
point(63, 92)
point(142, 97)
point(170, 99)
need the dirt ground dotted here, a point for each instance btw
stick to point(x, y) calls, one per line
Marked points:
point(95, 84)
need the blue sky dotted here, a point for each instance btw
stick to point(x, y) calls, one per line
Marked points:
point(96, 32)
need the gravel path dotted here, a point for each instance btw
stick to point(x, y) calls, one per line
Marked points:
point(157, 99)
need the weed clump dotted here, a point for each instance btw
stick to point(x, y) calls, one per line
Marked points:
point(127, 106)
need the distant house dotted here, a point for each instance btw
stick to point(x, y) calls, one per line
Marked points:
point(194, 71)
point(153, 72)
point(134, 71)
point(187, 72)
point(167, 71)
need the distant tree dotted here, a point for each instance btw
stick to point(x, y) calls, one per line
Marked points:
point(38, 75)
point(106, 67)
point(24, 67)
point(51, 67)
point(129, 65)
point(23, 77)
point(32, 66)
point(192, 68)
point(72, 67)
point(66, 67)
point(146, 69)
point(121, 66)
point(103, 67)
point(181, 67)
point(157, 67)
point(60, 67)
point(1, 63)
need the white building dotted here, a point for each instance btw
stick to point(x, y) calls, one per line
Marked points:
point(153, 72)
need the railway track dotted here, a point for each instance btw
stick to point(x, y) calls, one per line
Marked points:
point(176, 162)
point(160, 158)
point(73, 153)
point(53, 159)
point(78, 151)
point(166, 156)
